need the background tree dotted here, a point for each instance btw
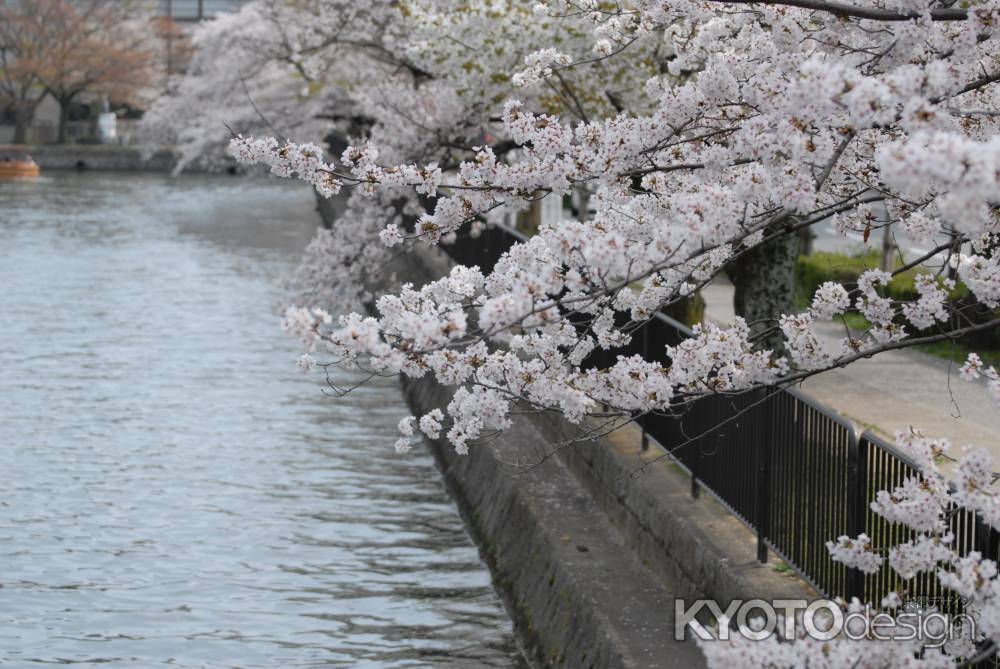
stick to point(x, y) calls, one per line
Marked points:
point(98, 47)
point(172, 51)
point(24, 50)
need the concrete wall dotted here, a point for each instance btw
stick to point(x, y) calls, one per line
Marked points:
point(591, 545)
point(99, 157)
point(105, 157)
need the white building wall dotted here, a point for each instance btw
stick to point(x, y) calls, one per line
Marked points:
point(551, 210)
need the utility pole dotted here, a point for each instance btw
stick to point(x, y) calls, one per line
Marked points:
point(170, 41)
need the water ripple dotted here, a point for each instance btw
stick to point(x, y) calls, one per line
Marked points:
point(174, 492)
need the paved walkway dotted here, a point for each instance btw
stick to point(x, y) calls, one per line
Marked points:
point(894, 390)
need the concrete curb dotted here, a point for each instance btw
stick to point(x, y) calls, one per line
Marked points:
point(681, 538)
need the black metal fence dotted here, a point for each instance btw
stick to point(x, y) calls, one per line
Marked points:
point(882, 467)
point(791, 469)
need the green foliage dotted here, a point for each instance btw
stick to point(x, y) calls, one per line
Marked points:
point(958, 351)
point(815, 269)
point(689, 310)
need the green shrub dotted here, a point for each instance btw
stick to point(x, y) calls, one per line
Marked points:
point(817, 268)
point(814, 270)
point(689, 310)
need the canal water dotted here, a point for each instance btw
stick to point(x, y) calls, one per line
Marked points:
point(173, 491)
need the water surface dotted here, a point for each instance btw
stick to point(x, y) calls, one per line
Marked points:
point(173, 492)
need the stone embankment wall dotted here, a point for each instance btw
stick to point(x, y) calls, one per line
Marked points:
point(100, 157)
point(590, 545)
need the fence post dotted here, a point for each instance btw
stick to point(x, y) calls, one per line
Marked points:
point(645, 356)
point(696, 410)
point(857, 499)
point(986, 539)
point(695, 488)
point(486, 237)
point(763, 511)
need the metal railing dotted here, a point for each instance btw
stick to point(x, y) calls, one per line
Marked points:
point(882, 467)
point(791, 469)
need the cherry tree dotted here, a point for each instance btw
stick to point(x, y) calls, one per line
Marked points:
point(88, 46)
point(708, 135)
point(24, 49)
point(417, 79)
point(283, 68)
point(63, 48)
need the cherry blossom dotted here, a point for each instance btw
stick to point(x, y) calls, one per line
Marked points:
point(692, 134)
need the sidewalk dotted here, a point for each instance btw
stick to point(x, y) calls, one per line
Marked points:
point(893, 390)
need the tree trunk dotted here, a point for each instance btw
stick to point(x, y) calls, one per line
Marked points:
point(888, 261)
point(583, 195)
point(764, 279)
point(63, 119)
point(806, 239)
point(22, 120)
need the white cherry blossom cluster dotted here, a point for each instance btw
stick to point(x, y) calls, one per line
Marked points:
point(877, 309)
point(930, 308)
point(923, 554)
point(975, 368)
point(917, 502)
point(982, 275)
point(303, 161)
point(857, 552)
point(429, 424)
point(540, 65)
point(831, 299)
point(805, 348)
point(306, 324)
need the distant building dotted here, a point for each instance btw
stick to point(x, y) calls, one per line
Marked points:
point(196, 10)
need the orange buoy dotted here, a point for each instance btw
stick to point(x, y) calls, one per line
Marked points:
point(18, 167)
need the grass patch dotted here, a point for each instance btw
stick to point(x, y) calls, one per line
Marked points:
point(954, 350)
point(958, 352)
